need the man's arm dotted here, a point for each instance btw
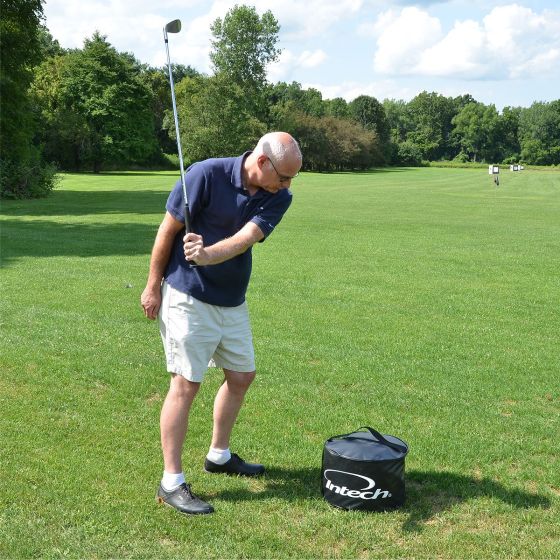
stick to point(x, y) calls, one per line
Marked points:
point(223, 250)
point(151, 296)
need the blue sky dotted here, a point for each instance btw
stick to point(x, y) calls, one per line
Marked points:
point(500, 51)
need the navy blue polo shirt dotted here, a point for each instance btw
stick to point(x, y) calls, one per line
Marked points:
point(219, 207)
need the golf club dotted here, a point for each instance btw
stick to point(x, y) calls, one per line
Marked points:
point(174, 27)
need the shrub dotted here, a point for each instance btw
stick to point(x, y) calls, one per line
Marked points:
point(461, 157)
point(33, 179)
point(172, 161)
point(409, 154)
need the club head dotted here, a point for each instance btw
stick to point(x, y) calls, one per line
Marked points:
point(173, 26)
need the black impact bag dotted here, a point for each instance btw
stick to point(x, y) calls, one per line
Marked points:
point(364, 470)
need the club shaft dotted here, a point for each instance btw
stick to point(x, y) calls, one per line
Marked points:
point(178, 134)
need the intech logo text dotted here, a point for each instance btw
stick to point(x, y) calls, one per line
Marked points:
point(361, 486)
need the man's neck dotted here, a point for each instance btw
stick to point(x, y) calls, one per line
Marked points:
point(247, 164)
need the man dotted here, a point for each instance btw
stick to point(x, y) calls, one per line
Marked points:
point(234, 203)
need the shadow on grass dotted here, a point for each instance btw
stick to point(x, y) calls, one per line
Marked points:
point(85, 203)
point(130, 173)
point(54, 239)
point(428, 492)
point(431, 492)
point(289, 484)
point(156, 173)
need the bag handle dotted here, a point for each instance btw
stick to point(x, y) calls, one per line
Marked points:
point(379, 437)
point(386, 442)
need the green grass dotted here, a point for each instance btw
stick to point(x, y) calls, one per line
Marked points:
point(422, 302)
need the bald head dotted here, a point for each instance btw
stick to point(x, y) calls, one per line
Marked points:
point(280, 146)
point(274, 162)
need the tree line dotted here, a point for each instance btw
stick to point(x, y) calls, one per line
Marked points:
point(95, 109)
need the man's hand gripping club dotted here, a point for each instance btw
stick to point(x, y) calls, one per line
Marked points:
point(194, 249)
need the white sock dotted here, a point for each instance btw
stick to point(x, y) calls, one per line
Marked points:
point(219, 456)
point(171, 481)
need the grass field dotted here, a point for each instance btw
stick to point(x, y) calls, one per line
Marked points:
point(422, 302)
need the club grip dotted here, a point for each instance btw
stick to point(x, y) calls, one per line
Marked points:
point(188, 229)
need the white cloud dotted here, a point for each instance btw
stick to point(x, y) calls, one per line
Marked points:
point(309, 59)
point(540, 64)
point(510, 41)
point(301, 20)
point(521, 40)
point(461, 52)
point(283, 67)
point(288, 63)
point(402, 37)
point(366, 29)
point(129, 26)
point(298, 20)
point(137, 26)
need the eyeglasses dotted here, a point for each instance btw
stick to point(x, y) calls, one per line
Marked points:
point(282, 178)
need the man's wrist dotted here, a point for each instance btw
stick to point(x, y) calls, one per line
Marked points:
point(154, 284)
point(209, 255)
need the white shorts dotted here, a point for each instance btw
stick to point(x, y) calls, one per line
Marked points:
point(197, 335)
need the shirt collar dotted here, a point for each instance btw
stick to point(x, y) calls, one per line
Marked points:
point(237, 172)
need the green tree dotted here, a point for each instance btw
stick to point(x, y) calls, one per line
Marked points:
point(64, 133)
point(510, 134)
point(305, 101)
point(408, 154)
point(48, 44)
point(539, 133)
point(244, 44)
point(98, 106)
point(226, 113)
point(337, 107)
point(350, 145)
point(399, 124)
point(431, 116)
point(157, 80)
point(367, 111)
point(478, 129)
point(461, 100)
point(399, 121)
point(23, 173)
point(468, 131)
point(454, 150)
point(312, 102)
point(370, 114)
point(214, 121)
point(329, 143)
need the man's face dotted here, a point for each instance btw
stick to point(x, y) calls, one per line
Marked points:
point(278, 176)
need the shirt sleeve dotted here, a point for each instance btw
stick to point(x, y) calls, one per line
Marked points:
point(196, 183)
point(270, 213)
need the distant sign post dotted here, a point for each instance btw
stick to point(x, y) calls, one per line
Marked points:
point(494, 170)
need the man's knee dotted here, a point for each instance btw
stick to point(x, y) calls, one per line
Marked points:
point(182, 388)
point(237, 381)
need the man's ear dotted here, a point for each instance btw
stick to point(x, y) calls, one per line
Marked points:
point(261, 160)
